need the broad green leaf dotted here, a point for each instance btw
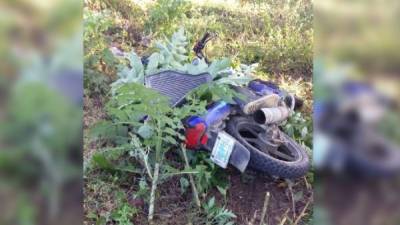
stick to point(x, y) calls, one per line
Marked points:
point(233, 80)
point(101, 128)
point(154, 61)
point(128, 168)
point(108, 57)
point(145, 131)
point(200, 66)
point(171, 140)
point(211, 202)
point(100, 160)
point(222, 190)
point(135, 63)
point(170, 131)
point(184, 183)
point(218, 66)
point(304, 132)
point(132, 74)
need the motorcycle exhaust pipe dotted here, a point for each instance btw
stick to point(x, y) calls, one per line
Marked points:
point(271, 115)
point(267, 101)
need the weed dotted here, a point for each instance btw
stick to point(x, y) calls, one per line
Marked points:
point(217, 215)
point(300, 128)
point(124, 213)
point(208, 174)
point(98, 59)
point(130, 104)
point(165, 15)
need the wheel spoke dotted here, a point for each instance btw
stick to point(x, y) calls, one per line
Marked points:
point(253, 132)
point(261, 138)
point(250, 139)
point(259, 141)
point(282, 155)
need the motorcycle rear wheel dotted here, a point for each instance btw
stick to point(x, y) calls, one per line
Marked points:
point(289, 160)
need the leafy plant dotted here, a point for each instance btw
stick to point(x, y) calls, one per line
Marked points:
point(124, 213)
point(154, 129)
point(165, 15)
point(133, 73)
point(184, 184)
point(172, 55)
point(95, 24)
point(208, 174)
point(217, 215)
point(299, 128)
point(237, 76)
point(99, 62)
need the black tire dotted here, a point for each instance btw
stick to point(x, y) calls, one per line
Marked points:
point(267, 163)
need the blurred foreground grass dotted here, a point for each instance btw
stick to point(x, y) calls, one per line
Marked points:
point(357, 41)
point(40, 112)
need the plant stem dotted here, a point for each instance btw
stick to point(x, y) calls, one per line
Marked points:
point(194, 189)
point(303, 212)
point(290, 186)
point(283, 221)
point(156, 171)
point(264, 210)
point(253, 220)
point(144, 156)
point(153, 192)
point(146, 164)
point(159, 141)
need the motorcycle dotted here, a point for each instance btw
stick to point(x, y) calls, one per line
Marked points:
point(244, 134)
point(249, 139)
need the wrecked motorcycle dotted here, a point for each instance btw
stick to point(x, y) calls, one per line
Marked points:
point(243, 137)
point(243, 134)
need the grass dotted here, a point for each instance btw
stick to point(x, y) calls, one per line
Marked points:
point(275, 34)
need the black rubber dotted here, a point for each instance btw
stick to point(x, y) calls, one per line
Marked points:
point(266, 163)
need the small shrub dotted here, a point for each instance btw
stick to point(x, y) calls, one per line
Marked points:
point(217, 215)
point(165, 16)
point(124, 212)
point(98, 59)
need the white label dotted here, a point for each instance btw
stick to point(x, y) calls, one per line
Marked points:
point(222, 149)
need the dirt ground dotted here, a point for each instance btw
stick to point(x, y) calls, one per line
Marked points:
point(245, 197)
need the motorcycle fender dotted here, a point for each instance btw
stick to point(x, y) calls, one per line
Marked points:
point(240, 155)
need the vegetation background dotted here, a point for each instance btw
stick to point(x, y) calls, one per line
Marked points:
point(278, 35)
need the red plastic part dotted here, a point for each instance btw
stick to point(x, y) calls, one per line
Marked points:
point(195, 136)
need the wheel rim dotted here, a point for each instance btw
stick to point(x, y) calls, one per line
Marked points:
point(254, 135)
